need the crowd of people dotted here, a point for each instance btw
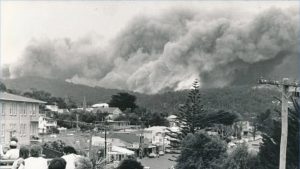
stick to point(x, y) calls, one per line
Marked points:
point(27, 157)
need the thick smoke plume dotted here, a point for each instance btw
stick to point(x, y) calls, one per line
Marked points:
point(154, 54)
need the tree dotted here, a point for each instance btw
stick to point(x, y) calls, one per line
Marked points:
point(130, 164)
point(270, 149)
point(191, 117)
point(123, 101)
point(2, 87)
point(201, 151)
point(240, 158)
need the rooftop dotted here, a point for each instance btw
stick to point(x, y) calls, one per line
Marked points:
point(17, 98)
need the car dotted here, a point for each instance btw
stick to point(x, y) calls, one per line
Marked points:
point(53, 135)
point(161, 153)
point(168, 151)
point(146, 167)
point(152, 155)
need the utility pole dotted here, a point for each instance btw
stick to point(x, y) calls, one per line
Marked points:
point(77, 121)
point(285, 85)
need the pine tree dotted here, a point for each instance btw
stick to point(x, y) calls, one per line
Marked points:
point(191, 117)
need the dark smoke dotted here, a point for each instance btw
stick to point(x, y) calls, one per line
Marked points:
point(157, 53)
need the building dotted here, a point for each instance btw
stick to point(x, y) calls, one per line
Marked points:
point(157, 135)
point(46, 123)
point(100, 105)
point(173, 121)
point(115, 125)
point(53, 108)
point(19, 118)
point(113, 112)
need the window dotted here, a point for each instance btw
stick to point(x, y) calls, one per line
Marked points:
point(23, 130)
point(33, 109)
point(15, 108)
point(24, 109)
point(3, 109)
point(10, 109)
point(2, 130)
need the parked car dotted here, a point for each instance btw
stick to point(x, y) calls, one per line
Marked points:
point(161, 153)
point(152, 155)
point(168, 151)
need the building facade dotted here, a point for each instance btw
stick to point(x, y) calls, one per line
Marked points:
point(19, 118)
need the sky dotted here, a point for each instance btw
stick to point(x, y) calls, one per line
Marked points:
point(150, 46)
point(23, 21)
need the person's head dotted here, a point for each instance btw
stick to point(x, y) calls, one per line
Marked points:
point(83, 163)
point(14, 139)
point(24, 152)
point(130, 164)
point(57, 163)
point(69, 150)
point(36, 151)
point(13, 144)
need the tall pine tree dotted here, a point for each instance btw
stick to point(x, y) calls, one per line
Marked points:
point(191, 117)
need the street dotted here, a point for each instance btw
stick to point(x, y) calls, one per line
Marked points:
point(162, 162)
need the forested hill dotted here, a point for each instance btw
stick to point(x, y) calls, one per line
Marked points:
point(245, 100)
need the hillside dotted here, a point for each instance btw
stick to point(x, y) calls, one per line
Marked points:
point(244, 100)
point(62, 89)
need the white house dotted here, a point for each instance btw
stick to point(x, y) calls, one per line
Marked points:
point(46, 123)
point(53, 108)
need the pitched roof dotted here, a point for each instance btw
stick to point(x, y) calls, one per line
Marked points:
point(127, 137)
point(17, 98)
point(108, 110)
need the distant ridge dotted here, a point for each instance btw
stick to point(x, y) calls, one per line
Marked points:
point(60, 88)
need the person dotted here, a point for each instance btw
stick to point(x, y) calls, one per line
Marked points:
point(130, 164)
point(24, 154)
point(12, 153)
point(57, 163)
point(35, 161)
point(83, 163)
point(70, 156)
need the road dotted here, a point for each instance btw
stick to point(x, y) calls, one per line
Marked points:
point(162, 162)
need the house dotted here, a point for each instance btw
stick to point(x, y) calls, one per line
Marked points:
point(46, 123)
point(53, 108)
point(116, 150)
point(113, 112)
point(244, 127)
point(100, 105)
point(131, 141)
point(115, 125)
point(173, 121)
point(157, 135)
point(19, 118)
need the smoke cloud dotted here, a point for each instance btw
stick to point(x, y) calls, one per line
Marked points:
point(170, 51)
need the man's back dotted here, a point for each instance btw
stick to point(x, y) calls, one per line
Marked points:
point(36, 163)
point(12, 154)
point(70, 159)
